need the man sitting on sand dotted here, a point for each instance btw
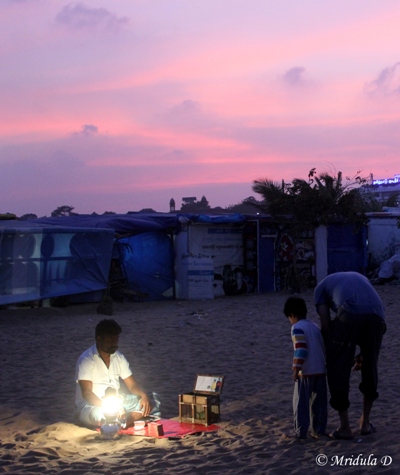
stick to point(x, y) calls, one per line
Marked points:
point(100, 368)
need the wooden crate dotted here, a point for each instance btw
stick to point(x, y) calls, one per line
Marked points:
point(201, 406)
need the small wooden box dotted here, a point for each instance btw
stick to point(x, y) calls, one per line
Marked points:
point(202, 405)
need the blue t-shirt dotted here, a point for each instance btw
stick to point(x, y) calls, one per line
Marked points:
point(351, 291)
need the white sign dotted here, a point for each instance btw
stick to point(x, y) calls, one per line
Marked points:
point(387, 181)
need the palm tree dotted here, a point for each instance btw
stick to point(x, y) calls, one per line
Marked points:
point(276, 199)
point(322, 199)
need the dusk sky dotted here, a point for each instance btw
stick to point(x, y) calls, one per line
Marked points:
point(122, 105)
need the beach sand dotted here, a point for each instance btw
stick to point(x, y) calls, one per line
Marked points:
point(246, 338)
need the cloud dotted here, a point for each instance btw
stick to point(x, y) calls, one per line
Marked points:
point(294, 76)
point(80, 17)
point(186, 111)
point(87, 130)
point(187, 107)
point(387, 83)
point(187, 114)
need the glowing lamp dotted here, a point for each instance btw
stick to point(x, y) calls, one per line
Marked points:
point(112, 409)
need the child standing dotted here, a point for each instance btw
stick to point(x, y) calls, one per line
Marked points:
point(309, 374)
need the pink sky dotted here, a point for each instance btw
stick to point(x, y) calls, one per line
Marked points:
point(123, 105)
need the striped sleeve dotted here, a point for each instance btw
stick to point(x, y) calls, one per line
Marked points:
point(300, 348)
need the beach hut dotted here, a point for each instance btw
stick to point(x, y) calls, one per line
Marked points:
point(383, 236)
point(209, 256)
point(142, 263)
point(39, 262)
point(340, 248)
point(294, 263)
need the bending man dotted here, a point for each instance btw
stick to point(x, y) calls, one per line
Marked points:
point(359, 321)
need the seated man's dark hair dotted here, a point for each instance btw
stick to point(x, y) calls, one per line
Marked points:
point(295, 306)
point(107, 327)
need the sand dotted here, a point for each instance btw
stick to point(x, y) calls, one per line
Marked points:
point(246, 338)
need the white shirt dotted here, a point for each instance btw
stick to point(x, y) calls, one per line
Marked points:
point(91, 367)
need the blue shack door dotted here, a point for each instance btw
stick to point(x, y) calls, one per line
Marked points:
point(347, 249)
point(266, 263)
point(259, 256)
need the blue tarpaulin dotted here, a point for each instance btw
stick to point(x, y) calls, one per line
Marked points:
point(43, 262)
point(214, 218)
point(148, 261)
point(145, 248)
point(132, 223)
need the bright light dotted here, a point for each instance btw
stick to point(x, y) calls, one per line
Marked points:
point(113, 409)
point(112, 406)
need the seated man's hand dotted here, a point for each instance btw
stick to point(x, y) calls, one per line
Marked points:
point(145, 405)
